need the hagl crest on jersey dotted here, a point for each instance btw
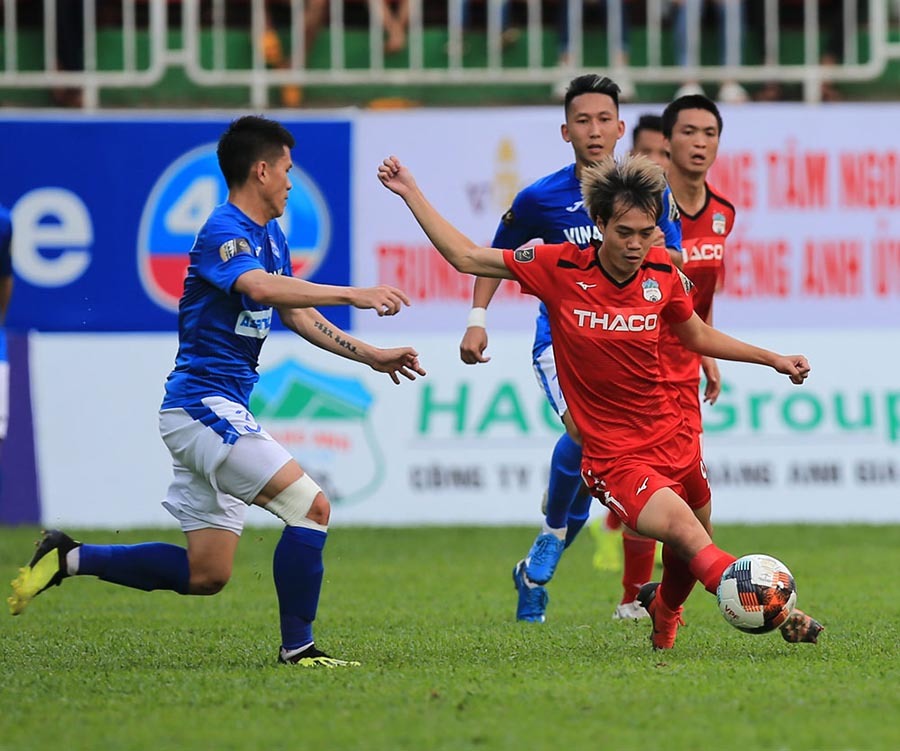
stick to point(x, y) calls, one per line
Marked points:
point(718, 223)
point(652, 292)
point(180, 202)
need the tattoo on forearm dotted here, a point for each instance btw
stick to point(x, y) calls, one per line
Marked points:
point(339, 340)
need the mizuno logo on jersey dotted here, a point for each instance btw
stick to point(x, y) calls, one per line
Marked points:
point(585, 286)
point(254, 323)
point(590, 319)
point(583, 236)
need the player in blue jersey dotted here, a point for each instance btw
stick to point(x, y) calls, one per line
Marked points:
point(6, 286)
point(552, 210)
point(223, 460)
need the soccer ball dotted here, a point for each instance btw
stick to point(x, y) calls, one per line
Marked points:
point(756, 594)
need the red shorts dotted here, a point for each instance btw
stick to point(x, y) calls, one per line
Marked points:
point(627, 483)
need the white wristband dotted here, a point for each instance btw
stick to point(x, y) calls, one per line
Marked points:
point(477, 317)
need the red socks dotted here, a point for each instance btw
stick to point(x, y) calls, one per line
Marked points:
point(677, 580)
point(708, 566)
point(638, 564)
point(678, 576)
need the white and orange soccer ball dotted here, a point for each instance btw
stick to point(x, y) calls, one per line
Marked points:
point(757, 594)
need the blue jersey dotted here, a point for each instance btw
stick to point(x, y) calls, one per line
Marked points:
point(552, 210)
point(221, 332)
point(5, 242)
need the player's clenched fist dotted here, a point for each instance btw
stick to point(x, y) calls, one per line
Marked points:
point(395, 177)
point(473, 345)
point(795, 366)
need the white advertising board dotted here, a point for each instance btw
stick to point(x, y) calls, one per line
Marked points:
point(817, 235)
point(466, 444)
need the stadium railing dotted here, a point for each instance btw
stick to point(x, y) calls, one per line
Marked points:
point(788, 38)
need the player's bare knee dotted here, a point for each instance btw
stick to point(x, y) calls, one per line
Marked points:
point(301, 504)
point(680, 529)
point(208, 583)
point(320, 511)
point(687, 536)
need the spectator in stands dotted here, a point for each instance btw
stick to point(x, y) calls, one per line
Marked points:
point(688, 37)
point(831, 31)
point(831, 22)
point(69, 49)
point(618, 65)
point(314, 15)
point(395, 19)
point(509, 32)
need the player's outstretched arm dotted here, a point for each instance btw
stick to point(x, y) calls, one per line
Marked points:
point(289, 292)
point(316, 329)
point(699, 337)
point(464, 255)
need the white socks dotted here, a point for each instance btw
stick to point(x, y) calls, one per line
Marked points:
point(559, 534)
point(72, 560)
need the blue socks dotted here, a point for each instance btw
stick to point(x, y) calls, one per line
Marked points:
point(297, 568)
point(578, 515)
point(148, 566)
point(565, 481)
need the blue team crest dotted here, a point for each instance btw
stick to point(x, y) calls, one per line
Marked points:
point(652, 292)
point(323, 420)
point(718, 223)
point(184, 196)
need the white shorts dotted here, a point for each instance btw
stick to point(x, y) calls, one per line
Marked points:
point(545, 372)
point(200, 441)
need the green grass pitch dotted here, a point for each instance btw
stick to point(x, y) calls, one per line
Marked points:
point(430, 613)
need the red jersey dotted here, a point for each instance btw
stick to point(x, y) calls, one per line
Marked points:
point(605, 342)
point(703, 241)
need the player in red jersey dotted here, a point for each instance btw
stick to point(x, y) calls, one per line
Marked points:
point(606, 308)
point(691, 127)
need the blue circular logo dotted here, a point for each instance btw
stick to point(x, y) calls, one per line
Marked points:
point(182, 199)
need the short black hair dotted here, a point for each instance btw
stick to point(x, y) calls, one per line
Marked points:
point(647, 122)
point(613, 186)
point(689, 102)
point(591, 83)
point(248, 140)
